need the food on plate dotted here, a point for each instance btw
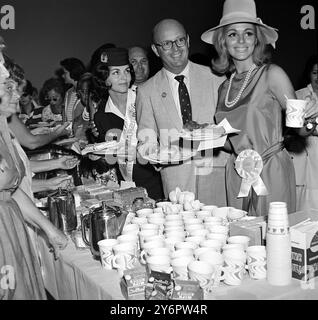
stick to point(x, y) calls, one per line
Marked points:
point(192, 125)
point(99, 146)
point(166, 153)
point(193, 130)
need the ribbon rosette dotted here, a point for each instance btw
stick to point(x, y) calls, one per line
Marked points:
point(249, 165)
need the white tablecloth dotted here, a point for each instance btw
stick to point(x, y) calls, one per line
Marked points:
point(76, 276)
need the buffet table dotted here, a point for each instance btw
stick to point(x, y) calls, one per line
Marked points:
point(77, 276)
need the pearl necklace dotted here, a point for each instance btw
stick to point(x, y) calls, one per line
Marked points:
point(230, 104)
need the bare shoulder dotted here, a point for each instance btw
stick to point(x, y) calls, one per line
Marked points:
point(276, 74)
point(279, 83)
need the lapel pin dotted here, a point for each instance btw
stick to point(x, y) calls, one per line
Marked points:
point(163, 94)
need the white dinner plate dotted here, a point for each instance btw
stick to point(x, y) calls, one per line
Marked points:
point(177, 157)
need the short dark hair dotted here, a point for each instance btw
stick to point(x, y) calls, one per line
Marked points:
point(75, 67)
point(223, 64)
point(28, 89)
point(51, 84)
point(101, 73)
point(309, 66)
point(88, 78)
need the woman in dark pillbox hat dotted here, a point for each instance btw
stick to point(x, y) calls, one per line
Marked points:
point(116, 119)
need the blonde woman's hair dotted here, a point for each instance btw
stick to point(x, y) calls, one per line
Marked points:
point(223, 64)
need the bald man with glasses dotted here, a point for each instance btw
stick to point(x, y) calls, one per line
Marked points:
point(181, 92)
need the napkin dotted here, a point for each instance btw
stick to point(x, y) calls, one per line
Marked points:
point(219, 142)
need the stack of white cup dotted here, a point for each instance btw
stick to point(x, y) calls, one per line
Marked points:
point(278, 245)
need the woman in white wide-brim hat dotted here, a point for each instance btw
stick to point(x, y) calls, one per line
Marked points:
point(260, 170)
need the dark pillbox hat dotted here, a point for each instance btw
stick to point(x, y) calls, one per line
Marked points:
point(115, 57)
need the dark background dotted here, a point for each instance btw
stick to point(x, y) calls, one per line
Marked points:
point(47, 31)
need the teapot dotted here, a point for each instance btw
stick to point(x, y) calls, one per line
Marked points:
point(104, 222)
point(62, 212)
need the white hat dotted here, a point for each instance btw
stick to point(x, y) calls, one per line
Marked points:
point(240, 11)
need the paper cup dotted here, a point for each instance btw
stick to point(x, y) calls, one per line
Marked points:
point(211, 243)
point(256, 261)
point(208, 208)
point(217, 236)
point(219, 229)
point(154, 249)
point(172, 217)
point(131, 228)
point(144, 212)
point(139, 220)
point(198, 232)
point(203, 214)
point(215, 259)
point(180, 267)
point(124, 257)
point(295, 113)
point(230, 246)
point(106, 252)
point(244, 240)
point(197, 252)
point(181, 253)
point(202, 272)
point(158, 210)
point(159, 263)
point(195, 239)
point(146, 233)
point(185, 245)
point(149, 226)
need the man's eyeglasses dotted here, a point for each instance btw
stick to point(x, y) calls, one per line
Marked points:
point(167, 45)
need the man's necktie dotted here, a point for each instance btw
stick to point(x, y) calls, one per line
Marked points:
point(184, 99)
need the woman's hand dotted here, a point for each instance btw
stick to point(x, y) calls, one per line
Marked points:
point(67, 162)
point(93, 129)
point(57, 239)
point(63, 130)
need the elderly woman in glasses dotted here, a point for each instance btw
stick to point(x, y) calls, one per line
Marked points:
point(52, 97)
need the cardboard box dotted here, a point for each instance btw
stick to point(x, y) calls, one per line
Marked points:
point(159, 286)
point(187, 290)
point(304, 242)
point(133, 283)
point(253, 227)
